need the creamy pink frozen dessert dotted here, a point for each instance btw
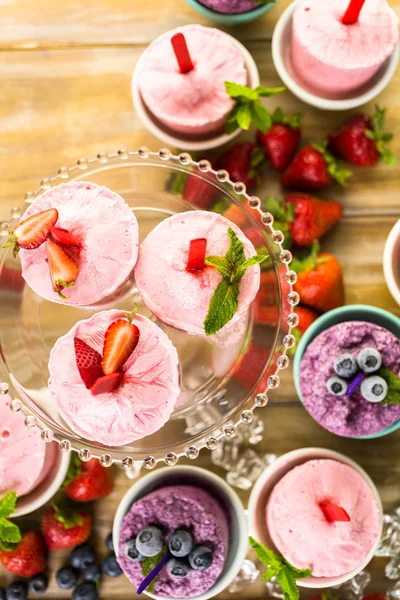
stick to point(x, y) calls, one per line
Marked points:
point(180, 297)
point(194, 103)
point(108, 236)
point(143, 401)
point(335, 58)
point(307, 535)
point(25, 460)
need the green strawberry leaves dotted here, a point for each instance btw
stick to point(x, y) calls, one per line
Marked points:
point(339, 174)
point(293, 120)
point(266, 1)
point(380, 137)
point(248, 107)
point(65, 514)
point(10, 534)
point(149, 564)
point(74, 470)
point(232, 266)
point(285, 573)
point(393, 395)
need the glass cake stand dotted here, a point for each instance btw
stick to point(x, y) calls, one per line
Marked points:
point(222, 380)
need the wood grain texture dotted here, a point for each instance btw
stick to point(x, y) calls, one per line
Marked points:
point(65, 71)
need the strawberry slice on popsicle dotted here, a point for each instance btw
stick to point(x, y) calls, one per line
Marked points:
point(63, 269)
point(63, 236)
point(32, 232)
point(120, 340)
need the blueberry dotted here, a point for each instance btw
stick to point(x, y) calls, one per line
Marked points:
point(111, 566)
point(200, 558)
point(109, 542)
point(132, 552)
point(369, 360)
point(18, 590)
point(150, 541)
point(178, 567)
point(346, 366)
point(181, 543)
point(374, 388)
point(93, 573)
point(85, 591)
point(2, 593)
point(83, 556)
point(67, 578)
point(337, 386)
point(38, 584)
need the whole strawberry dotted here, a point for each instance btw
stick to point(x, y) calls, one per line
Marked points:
point(64, 528)
point(319, 280)
point(281, 141)
point(87, 481)
point(24, 555)
point(244, 163)
point(307, 316)
point(361, 140)
point(313, 218)
point(313, 168)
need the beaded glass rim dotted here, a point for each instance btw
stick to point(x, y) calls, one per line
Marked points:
point(229, 430)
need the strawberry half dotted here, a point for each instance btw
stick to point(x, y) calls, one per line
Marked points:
point(63, 269)
point(197, 255)
point(120, 340)
point(88, 362)
point(32, 232)
point(106, 383)
point(63, 236)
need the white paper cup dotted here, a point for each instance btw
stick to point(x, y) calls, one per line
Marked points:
point(185, 475)
point(264, 486)
point(391, 262)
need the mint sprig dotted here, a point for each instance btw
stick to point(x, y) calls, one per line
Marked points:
point(149, 564)
point(380, 137)
point(393, 395)
point(232, 266)
point(339, 174)
point(285, 573)
point(248, 107)
point(10, 535)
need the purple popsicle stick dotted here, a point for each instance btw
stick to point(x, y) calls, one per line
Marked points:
point(355, 383)
point(153, 574)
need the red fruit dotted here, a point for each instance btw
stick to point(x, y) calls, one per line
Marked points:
point(243, 163)
point(266, 304)
point(107, 383)
point(251, 366)
point(88, 362)
point(362, 141)
point(199, 192)
point(313, 168)
point(306, 316)
point(90, 481)
point(65, 529)
point(32, 232)
point(319, 281)
point(281, 141)
point(28, 558)
point(197, 255)
point(120, 340)
point(335, 514)
point(63, 269)
point(255, 236)
point(375, 597)
point(62, 236)
point(313, 217)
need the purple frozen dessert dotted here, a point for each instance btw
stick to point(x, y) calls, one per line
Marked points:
point(180, 516)
point(231, 7)
point(337, 385)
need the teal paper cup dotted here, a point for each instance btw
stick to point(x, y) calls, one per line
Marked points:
point(232, 19)
point(352, 312)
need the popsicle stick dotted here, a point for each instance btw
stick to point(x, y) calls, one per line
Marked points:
point(153, 574)
point(182, 53)
point(335, 513)
point(353, 385)
point(353, 12)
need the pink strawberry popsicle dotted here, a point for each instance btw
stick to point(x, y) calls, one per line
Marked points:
point(144, 398)
point(336, 57)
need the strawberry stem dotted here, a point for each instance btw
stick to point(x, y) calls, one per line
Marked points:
point(353, 12)
point(133, 313)
point(182, 53)
point(197, 255)
point(334, 513)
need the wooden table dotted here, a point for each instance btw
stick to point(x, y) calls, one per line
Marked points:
point(65, 71)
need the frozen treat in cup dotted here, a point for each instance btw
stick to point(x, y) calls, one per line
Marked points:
point(232, 12)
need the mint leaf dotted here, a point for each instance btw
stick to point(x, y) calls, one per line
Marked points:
point(223, 306)
point(149, 564)
point(9, 532)
point(300, 573)
point(235, 90)
point(219, 263)
point(393, 395)
point(248, 107)
point(287, 581)
point(265, 555)
point(266, 92)
point(243, 116)
point(7, 504)
point(235, 254)
point(261, 117)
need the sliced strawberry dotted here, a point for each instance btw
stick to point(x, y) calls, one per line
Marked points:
point(63, 269)
point(63, 236)
point(88, 362)
point(334, 513)
point(197, 255)
point(32, 232)
point(120, 340)
point(107, 383)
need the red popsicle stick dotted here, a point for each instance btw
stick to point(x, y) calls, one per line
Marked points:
point(182, 53)
point(197, 255)
point(353, 12)
point(334, 513)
